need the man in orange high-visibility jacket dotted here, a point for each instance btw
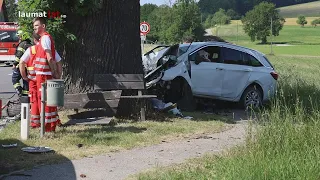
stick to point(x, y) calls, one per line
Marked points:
point(46, 68)
point(27, 61)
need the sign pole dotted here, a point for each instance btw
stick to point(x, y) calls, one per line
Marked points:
point(144, 30)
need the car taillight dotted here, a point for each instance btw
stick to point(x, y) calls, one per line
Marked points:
point(274, 75)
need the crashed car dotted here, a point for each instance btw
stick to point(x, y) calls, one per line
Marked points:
point(215, 70)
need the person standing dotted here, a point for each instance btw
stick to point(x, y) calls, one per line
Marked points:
point(46, 68)
point(16, 76)
point(27, 60)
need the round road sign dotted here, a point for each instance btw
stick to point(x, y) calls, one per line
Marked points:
point(144, 28)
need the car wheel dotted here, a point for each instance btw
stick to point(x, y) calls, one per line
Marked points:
point(7, 64)
point(187, 101)
point(251, 98)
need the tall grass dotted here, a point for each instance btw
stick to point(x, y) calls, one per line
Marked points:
point(286, 142)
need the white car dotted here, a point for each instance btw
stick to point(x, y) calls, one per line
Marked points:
point(215, 70)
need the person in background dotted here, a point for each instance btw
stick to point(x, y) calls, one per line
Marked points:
point(16, 76)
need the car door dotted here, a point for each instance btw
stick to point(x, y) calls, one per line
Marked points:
point(236, 72)
point(206, 77)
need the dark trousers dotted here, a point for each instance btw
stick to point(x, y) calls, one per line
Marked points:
point(16, 77)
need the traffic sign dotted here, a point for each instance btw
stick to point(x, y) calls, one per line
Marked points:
point(144, 28)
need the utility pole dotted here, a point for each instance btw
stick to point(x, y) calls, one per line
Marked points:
point(271, 37)
point(237, 31)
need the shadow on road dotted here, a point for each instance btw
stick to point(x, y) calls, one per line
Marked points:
point(17, 164)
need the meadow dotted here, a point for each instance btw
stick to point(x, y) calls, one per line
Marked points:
point(286, 142)
point(311, 9)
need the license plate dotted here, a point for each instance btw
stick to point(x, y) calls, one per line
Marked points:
point(3, 51)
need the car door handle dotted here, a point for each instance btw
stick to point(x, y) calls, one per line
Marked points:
point(248, 70)
point(219, 69)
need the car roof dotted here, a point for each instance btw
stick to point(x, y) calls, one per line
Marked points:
point(196, 45)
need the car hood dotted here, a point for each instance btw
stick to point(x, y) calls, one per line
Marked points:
point(151, 58)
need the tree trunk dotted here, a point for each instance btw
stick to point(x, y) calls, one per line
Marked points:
point(264, 40)
point(108, 41)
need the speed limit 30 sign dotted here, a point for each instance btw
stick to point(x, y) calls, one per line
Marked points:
point(144, 28)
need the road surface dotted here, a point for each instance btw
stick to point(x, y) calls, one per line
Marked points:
point(6, 87)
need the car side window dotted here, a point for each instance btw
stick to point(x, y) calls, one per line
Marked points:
point(254, 62)
point(231, 56)
point(209, 54)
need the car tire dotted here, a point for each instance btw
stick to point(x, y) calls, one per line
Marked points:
point(251, 98)
point(187, 101)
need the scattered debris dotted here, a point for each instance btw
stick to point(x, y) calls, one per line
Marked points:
point(9, 145)
point(38, 149)
point(83, 176)
point(167, 107)
point(80, 145)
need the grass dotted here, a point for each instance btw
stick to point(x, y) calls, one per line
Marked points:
point(286, 144)
point(99, 139)
point(306, 9)
point(302, 41)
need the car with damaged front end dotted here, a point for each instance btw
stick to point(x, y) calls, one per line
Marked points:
point(214, 70)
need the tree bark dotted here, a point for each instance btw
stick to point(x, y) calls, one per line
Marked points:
point(108, 41)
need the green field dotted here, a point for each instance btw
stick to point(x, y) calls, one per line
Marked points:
point(287, 140)
point(311, 9)
point(293, 40)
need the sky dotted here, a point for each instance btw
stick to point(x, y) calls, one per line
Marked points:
point(157, 2)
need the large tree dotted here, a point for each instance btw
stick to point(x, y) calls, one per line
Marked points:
point(257, 22)
point(99, 36)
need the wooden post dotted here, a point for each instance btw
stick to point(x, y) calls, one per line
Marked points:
point(142, 111)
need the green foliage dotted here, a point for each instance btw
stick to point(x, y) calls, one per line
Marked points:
point(10, 7)
point(257, 22)
point(302, 20)
point(209, 22)
point(55, 26)
point(221, 18)
point(233, 14)
point(315, 22)
point(172, 24)
point(146, 10)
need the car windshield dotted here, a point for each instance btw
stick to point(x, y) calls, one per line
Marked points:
point(183, 48)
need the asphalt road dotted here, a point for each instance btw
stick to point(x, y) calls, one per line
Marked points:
point(6, 87)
